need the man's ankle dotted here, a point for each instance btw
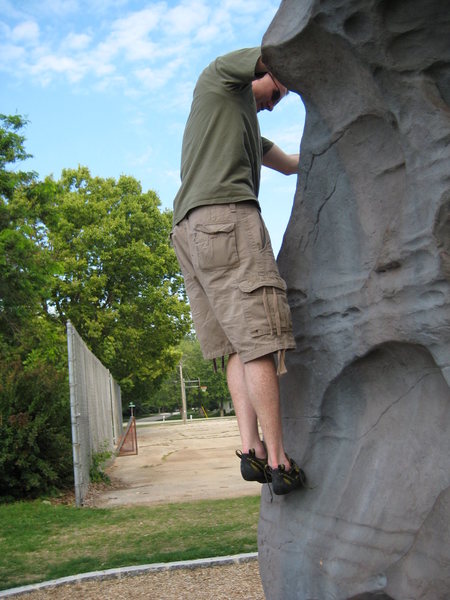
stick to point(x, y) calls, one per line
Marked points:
point(259, 449)
point(283, 461)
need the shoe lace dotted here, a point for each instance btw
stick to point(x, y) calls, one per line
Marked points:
point(267, 472)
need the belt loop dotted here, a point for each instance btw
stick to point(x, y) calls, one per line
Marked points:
point(232, 206)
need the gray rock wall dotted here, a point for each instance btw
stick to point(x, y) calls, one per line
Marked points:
point(366, 402)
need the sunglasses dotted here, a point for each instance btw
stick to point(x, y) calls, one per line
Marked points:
point(276, 95)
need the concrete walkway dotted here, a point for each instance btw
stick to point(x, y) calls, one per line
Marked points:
point(179, 462)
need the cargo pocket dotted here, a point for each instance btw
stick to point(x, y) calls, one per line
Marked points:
point(265, 306)
point(215, 245)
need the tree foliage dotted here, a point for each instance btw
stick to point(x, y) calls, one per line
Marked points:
point(198, 373)
point(34, 417)
point(23, 267)
point(35, 446)
point(120, 283)
point(11, 151)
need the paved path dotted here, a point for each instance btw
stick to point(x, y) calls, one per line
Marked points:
point(179, 462)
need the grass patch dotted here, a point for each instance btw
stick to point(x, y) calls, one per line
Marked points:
point(41, 541)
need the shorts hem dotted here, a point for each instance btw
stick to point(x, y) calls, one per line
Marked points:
point(218, 353)
point(264, 350)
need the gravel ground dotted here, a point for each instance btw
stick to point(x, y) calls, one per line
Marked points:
point(228, 582)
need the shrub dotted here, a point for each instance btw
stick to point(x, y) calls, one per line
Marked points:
point(35, 439)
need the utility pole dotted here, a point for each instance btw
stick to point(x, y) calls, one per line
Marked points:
point(183, 395)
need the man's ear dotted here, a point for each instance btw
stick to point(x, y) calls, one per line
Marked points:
point(260, 69)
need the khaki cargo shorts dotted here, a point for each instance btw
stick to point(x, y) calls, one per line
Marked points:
point(237, 297)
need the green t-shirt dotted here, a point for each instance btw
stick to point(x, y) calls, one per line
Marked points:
point(222, 145)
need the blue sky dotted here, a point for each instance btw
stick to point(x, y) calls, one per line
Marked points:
point(108, 84)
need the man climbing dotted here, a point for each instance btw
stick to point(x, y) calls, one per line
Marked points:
point(237, 297)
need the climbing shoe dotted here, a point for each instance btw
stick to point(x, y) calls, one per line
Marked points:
point(284, 481)
point(253, 468)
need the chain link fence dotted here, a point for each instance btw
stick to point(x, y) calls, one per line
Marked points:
point(95, 407)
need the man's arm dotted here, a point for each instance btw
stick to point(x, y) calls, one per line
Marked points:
point(278, 160)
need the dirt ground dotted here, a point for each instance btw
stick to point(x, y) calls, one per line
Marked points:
point(179, 462)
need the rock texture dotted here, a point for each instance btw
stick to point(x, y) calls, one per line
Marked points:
point(366, 402)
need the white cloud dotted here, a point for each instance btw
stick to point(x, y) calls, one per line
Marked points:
point(50, 64)
point(250, 7)
point(219, 27)
point(7, 10)
point(137, 49)
point(10, 55)
point(140, 49)
point(77, 41)
point(186, 18)
point(26, 32)
point(157, 78)
point(58, 7)
point(111, 81)
point(152, 78)
point(129, 37)
point(104, 6)
point(141, 21)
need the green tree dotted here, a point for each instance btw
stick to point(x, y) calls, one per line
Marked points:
point(12, 150)
point(167, 398)
point(196, 367)
point(204, 387)
point(22, 265)
point(35, 452)
point(120, 283)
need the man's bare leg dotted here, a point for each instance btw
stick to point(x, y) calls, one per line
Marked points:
point(246, 415)
point(255, 393)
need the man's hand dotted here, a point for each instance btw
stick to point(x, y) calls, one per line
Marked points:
point(278, 160)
